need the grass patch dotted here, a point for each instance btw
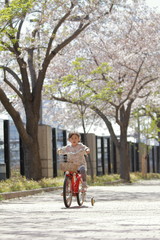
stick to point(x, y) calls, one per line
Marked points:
point(102, 180)
point(140, 176)
point(115, 178)
point(20, 183)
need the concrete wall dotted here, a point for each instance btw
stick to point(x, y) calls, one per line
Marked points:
point(91, 139)
point(2, 171)
point(45, 145)
point(143, 158)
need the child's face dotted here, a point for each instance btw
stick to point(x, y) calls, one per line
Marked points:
point(74, 140)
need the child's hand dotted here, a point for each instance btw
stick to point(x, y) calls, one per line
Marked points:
point(87, 150)
point(59, 151)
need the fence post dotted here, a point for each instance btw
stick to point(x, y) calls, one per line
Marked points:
point(54, 151)
point(158, 159)
point(7, 148)
point(64, 137)
point(21, 153)
point(109, 155)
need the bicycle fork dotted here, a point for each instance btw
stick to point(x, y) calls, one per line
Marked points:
point(76, 179)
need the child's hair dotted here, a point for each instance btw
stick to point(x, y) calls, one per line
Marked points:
point(74, 133)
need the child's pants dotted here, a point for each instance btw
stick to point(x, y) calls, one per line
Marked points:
point(83, 172)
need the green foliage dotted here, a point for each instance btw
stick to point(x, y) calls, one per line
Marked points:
point(78, 63)
point(5, 186)
point(149, 120)
point(10, 16)
point(115, 178)
point(140, 176)
point(106, 93)
point(20, 183)
point(68, 80)
point(102, 180)
point(51, 182)
point(104, 68)
point(17, 184)
point(16, 8)
point(87, 86)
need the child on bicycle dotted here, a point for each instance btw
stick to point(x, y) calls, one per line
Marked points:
point(75, 152)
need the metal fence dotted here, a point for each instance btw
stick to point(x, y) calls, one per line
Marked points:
point(11, 152)
point(9, 148)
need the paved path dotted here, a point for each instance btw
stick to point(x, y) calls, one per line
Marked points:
point(120, 212)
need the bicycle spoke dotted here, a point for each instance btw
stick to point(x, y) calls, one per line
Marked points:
point(67, 194)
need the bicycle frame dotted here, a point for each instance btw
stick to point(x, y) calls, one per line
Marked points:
point(73, 187)
point(76, 178)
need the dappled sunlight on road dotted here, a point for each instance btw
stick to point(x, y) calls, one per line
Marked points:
point(130, 211)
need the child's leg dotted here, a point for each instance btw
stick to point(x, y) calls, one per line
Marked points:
point(83, 174)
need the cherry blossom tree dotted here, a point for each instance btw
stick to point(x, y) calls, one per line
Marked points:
point(32, 34)
point(120, 68)
point(149, 112)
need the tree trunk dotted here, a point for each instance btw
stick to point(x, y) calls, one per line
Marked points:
point(32, 162)
point(89, 158)
point(86, 143)
point(124, 157)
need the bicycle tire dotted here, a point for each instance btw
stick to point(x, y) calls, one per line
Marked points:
point(67, 193)
point(81, 195)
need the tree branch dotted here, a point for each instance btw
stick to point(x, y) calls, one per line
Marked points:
point(19, 29)
point(15, 76)
point(68, 40)
point(61, 21)
point(47, 60)
point(144, 84)
point(31, 67)
point(108, 124)
point(13, 88)
point(15, 116)
point(134, 83)
point(96, 110)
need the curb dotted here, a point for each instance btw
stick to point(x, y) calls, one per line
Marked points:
point(18, 194)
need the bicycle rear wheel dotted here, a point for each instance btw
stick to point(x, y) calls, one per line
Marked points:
point(67, 193)
point(81, 195)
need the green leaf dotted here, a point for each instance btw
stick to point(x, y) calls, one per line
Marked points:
point(102, 69)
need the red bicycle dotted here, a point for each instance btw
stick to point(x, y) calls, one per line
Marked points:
point(72, 186)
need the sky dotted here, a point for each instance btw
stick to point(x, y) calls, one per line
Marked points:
point(153, 3)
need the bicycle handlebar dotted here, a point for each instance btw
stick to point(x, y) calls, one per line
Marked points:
point(60, 151)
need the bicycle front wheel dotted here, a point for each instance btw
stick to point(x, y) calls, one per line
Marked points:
point(67, 193)
point(81, 195)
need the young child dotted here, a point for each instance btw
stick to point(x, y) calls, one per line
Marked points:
point(75, 152)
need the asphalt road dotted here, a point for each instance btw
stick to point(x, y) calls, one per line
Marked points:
point(120, 212)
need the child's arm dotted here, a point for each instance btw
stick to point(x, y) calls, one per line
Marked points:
point(86, 149)
point(62, 150)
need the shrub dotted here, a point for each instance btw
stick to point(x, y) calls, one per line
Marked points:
point(19, 183)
